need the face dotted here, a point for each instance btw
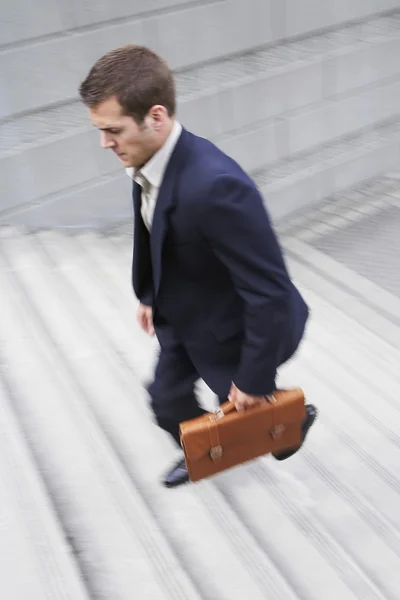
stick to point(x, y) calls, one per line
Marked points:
point(133, 143)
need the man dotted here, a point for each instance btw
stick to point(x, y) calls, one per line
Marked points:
point(207, 267)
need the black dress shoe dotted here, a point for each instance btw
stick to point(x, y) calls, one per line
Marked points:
point(177, 475)
point(311, 415)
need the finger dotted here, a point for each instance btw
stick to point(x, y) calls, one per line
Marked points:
point(140, 316)
point(149, 326)
point(144, 325)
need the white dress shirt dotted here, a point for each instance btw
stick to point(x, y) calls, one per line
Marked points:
point(151, 175)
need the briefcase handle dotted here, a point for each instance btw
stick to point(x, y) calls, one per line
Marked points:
point(228, 407)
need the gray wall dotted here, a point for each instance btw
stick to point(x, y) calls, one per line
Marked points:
point(306, 102)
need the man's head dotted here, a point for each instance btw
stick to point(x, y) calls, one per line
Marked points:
point(130, 93)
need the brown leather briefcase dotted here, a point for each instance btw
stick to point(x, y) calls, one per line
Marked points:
point(218, 441)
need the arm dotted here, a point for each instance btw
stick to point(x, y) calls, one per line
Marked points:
point(146, 296)
point(144, 293)
point(238, 229)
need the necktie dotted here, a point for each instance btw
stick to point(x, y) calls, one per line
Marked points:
point(146, 201)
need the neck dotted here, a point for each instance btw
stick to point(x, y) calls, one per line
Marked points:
point(167, 131)
point(163, 138)
point(165, 135)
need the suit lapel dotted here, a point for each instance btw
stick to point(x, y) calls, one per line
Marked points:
point(165, 203)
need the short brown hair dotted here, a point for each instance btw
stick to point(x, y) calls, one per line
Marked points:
point(137, 76)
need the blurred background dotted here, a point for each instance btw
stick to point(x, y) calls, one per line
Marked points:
point(305, 95)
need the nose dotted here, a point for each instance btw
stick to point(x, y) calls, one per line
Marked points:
point(105, 140)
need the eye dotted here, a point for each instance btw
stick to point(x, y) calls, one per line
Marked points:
point(114, 131)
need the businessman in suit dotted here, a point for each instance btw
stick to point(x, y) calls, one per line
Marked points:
point(207, 267)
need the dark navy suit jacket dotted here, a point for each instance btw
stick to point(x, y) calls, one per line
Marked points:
point(214, 273)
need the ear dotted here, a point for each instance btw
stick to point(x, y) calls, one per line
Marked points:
point(156, 116)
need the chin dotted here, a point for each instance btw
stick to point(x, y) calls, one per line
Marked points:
point(126, 162)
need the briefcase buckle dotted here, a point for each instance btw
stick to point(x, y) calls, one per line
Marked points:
point(216, 452)
point(277, 431)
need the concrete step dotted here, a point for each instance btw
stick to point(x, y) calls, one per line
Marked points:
point(334, 72)
point(324, 524)
point(302, 182)
point(366, 357)
point(219, 525)
point(353, 467)
point(97, 285)
point(372, 403)
point(262, 107)
point(185, 520)
point(365, 200)
point(370, 357)
point(355, 448)
point(363, 312)
point(358, 55)
point(313, 562)
point(36, 559)
point(358, 285)
point(219, 507)
point(120, 548)
point(383, 475)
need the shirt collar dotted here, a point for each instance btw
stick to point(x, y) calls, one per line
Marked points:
point(153, 171)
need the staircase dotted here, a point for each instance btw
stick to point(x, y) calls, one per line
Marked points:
point(83, 514)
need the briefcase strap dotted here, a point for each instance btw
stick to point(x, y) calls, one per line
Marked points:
point(215, 445)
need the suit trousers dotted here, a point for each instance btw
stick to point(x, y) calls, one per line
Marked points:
point(172, 391)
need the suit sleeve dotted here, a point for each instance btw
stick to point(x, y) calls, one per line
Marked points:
point(142, 277)
point(239, 231)
point(146, 297)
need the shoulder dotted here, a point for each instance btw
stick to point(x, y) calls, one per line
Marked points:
point(208, 168)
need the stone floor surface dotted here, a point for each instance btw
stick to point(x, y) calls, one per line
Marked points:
point(82, 513)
